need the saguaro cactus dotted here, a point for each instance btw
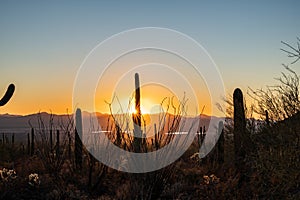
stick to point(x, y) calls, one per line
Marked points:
point(136, 117)
point(8, 94)
point(57, 143)
point(70, 145)
point(239, 125)
point(13, 140)
point(28, 144)
point(51, 143)
point(78, 143)
point(242, 142)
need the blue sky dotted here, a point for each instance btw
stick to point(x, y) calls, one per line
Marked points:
point(42, 44)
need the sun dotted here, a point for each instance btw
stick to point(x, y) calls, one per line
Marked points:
point(145, 106)
point(132, 110)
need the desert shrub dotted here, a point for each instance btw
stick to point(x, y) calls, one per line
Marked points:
point(282, 100)
point(146, 185)
point(52, 154)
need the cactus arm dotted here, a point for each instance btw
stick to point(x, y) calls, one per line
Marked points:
point(8, 94)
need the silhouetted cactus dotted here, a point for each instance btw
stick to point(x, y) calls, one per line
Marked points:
point(70, 145)
point(267, 118)
point(156, 140)
point(201, 136)
point(203, 133)
point(137, 116)
point(28, 144)
point(78, 143)
point(8, 94)
point(239, 126)
point(118, 135)
point(243, 144)
point(6, 139)
point(202, 144)
point(32, 142)
point(51, 140)
point(57, 143)
point(13, 140)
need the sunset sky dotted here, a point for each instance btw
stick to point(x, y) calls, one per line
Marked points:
point(42, 45)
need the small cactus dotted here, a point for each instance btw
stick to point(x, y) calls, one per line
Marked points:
point(51, 143)
point(57, 143)
point(70, 145)
point(28, 144)
point(8, 94)
point(267, 118)
point(78, 143)
point(13, 140)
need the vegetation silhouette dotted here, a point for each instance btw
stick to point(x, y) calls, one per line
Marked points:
point(8, 94)
point(254, 158)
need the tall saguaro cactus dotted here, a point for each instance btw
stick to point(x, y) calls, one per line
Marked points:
point(137, 117)
point(239, 125)
point(78, 143)
point(242, 141)
point(8, 94)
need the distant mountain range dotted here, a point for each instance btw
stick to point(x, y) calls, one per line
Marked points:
point(20, 123)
